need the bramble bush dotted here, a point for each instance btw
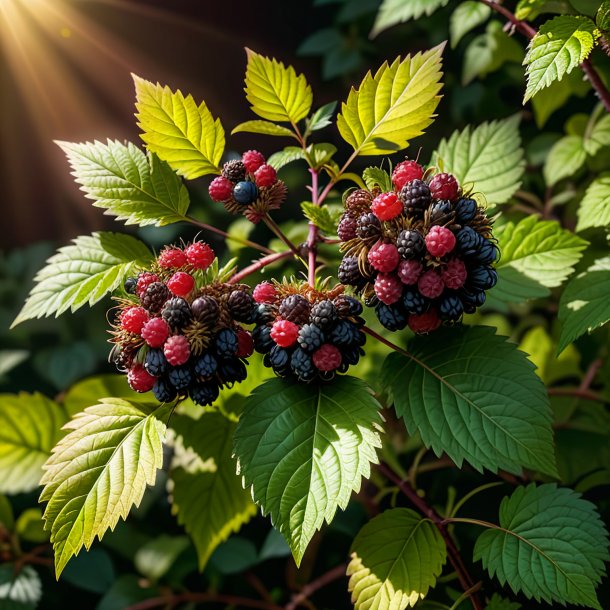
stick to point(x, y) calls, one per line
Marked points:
point(427, 332)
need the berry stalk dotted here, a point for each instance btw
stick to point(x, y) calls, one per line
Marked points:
point(239, 240)
point(260, 264)
point(275, 229)
point(312, 238)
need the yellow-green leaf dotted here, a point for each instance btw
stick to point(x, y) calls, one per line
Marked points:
point(266, 128)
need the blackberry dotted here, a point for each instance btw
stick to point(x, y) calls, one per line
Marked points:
point(245, 192)
point(468, 241)
point(441, 212)
point(241, 306)
point(323, 314)
point(261, 336)
point(205, 309)
point(348, 306)
point(279, 360)
point(295, 308)
point(415, 197)
point(302, 365)
point(234, 170)
point(465, 210)
point(180, 377)
point(352, 355)
point(344, 333)
point(226, 343)
point(164, 391)
point(414, 302)
point(472, 300)
point(155, 296)
point(481, 278)
point(130, 285)
point(156, 362)
point(358, 201)
point(232, 370)
point(411, 244)
point(368, 226)
point(206, 365)
point(310, 337)
point(451, 308)
point(347, 227)
point(349, 272)
point(177, 313)
point(487, 253)
point(204, 393)
point(264, 313)
point(391, 317)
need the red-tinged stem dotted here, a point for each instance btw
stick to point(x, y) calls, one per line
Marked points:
point(311, 588)
point(312, 238)
point(235, 238)
point(274, 227)
point(596, 83)
point(171, 601)
point(577, 393)
point(260, 264)
point(589, 377)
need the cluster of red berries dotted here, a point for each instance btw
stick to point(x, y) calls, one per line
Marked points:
point(248, 186)
point(306, 333)
point(178, 338)
point(422, 254)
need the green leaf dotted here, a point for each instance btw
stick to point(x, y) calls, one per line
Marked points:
point(127, 184)
point(208, 497)
point(321, 42)
point(466, 17)
point(602, 17)
point(284, 157)
point(597, 135)
point(489, 157)
point(530, 9)
point(553, 97)
point(324, 217)
point(394, 106)
point(322, 117)
point(565, 158)
point(559, 46)
point(30, 526)
point(538, 252)
point(376, 176)
point(236, 555)
point(476, 397)
point(126, 591)
point(393, 12)
point(584, 304)
point(499, 603)
point(396, 558)
point(178, 130)
point(594, 210)
point(274, 91)
point(263, 127)
point(99, 471)
point(92, 571)
point(156, 557)
point(552, 546)
point(321, 153)
point(83, 274)
point(21, 586)
point(30, 425)
point(7, 518)
point(304, 448)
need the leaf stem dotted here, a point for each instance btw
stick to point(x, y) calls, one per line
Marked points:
point(259, 264)
point(275, 229)
point(309, 589)
point(239, 240)
point(312, 238)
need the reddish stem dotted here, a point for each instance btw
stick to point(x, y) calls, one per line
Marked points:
point(576, 393)
point(589, 377)
point(309, 589)
point(259, 264)
point(172, 601)
point(312, 239)
point(275, 228)
point(239, 240)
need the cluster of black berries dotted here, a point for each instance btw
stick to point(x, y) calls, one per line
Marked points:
point(422, 254)
point(177, 339)
point(305, 333)
point(248, 186)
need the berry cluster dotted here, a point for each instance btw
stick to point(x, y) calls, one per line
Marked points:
point(248, 186)
point(306, 333)
point(422, 254)
point(176, 338)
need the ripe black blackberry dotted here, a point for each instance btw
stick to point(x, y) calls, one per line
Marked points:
point(164, 391)
point(234, 170)
point(241, 306)
point(205, 366)
point(205, 309)
point(295, 308)
point(264, 313)
point(345, 333)
point(278, 359)
point(204, 393)
point(231, 370)
point(130, 285)
point(156, 362)
point(415, 197)
point(441, 213)
point(368, 226)
point(451, 308)
point(261, 336)
point(180, 377)
point(323, 314)
point(155, 296)
point(310, 337)
point(411, 244)
point(392, 317)
point(347, 306)
point(349, 272)
point(465, 210)
point(414, 302)
point(226, 343)
point(177, 313)
point(302, 365)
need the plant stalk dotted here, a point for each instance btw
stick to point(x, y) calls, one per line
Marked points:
point(309, 589)
point(312, 238)
point(239, 240)
point(260, 264)
point(275, 229)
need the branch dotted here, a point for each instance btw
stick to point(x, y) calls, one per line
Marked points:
point(275, 229)
point(309, 589)
point(259, 264)
point(230, 600)
point(239, 240)
point(312, 238)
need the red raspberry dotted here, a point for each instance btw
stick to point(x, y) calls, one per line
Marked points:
point(133, 319)
point(384, 257)
point(220, 189)
point(386, 206)
point(431, 284)
point(181, 283)
point(284, 333)
point(245, 344)
point(454, 275)
point(424, 322)
point(200, 255)
point(440, 241)
point(327, 358)
point(388, 288)
point(265, 175)
point(155, 332)
point(140, 379)
point(252, 159)
point(409, 271)
point(405, 172)
point(264, 293)
point(177, 350)
point(172, 258)
point(144, 281)
point(444, 186)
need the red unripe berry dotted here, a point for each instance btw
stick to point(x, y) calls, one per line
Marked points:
point(405, 172)
point(200, 255)
point(172, 258)
point(431, 284)
point(440, 241)
point(284, 333)
point(455, 274)
point(444, 186)
point(388, 288)
point(327, 358)
point(220, 189)
point(252, 159)
point(144, 281)
point(155, 332)
point(425, 322)
point(386, 206)
point(139, 379)
point(181, 283)
point(177, 350)
point(133, 319)
point(245, 344)
point(265, 292)
point(384, 257)
point(409, 271)
point(265, 175)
